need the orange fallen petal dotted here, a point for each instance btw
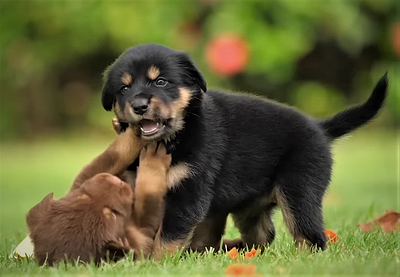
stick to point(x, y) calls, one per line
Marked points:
point(331, 236)
point(389, 222)
point(241, 270)
point(367, 227)
point(251, 254)
point(233, 254)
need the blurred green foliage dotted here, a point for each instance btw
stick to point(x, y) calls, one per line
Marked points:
point(317, 55)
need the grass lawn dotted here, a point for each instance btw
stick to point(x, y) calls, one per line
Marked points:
point(365, 184)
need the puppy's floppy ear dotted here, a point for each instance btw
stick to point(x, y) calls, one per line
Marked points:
point(107, 97)
point(192, 73)
point(37, 212)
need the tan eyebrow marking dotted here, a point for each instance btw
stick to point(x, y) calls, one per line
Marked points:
point(126, 79)
point(153, 72)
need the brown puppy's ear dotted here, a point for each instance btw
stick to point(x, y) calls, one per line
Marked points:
point(116, 250)
point(107, 97)
point(192, 74)
point(37, 212)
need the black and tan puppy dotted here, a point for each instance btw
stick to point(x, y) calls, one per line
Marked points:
point(231, 153)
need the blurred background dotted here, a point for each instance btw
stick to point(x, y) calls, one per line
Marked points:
point(320, 56)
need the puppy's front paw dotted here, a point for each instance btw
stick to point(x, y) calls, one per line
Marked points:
point(152, 173)
point(155, 156)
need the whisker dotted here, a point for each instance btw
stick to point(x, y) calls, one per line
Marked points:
point(193, 114)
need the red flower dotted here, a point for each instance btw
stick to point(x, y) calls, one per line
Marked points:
point(331, 236)
point(227, 54)
point(396, 38)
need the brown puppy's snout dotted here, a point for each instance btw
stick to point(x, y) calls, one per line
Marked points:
point(115, 181)
point(108, 177)
point(140, 105)
point(124, 188)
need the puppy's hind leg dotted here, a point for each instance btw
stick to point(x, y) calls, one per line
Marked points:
point(303, 217)
point(208, 233)
point(255, 226)
point(299, 194)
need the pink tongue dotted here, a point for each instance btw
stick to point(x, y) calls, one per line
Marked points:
point(148, 125)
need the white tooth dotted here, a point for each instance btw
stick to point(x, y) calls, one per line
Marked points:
point(152, 130)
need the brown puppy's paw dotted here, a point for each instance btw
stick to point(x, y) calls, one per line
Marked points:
point(154, 157)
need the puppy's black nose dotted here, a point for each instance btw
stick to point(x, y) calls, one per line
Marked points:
point(140, 105)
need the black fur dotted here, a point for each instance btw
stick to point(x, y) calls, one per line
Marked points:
point(247, 154)
point(350, 119)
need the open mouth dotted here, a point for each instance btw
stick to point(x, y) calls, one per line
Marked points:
point(150, 127)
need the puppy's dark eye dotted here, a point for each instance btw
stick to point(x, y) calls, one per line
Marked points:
point(123, 89)
point(161, 82)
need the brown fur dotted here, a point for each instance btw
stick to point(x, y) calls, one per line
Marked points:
point(176, 174)
point(85, 228)
point(150, 189)
point(177, 108)
point(121, 153)
point(119, 112)
point(98, 218)
point(159, 107)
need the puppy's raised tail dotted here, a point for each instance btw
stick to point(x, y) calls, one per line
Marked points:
point(354, 117)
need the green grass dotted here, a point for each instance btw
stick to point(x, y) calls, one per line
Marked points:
point(365, 184)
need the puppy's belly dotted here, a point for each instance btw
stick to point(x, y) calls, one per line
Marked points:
point(241, 200)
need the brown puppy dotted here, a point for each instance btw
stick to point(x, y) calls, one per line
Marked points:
point(99, 218)
point(84, 224)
